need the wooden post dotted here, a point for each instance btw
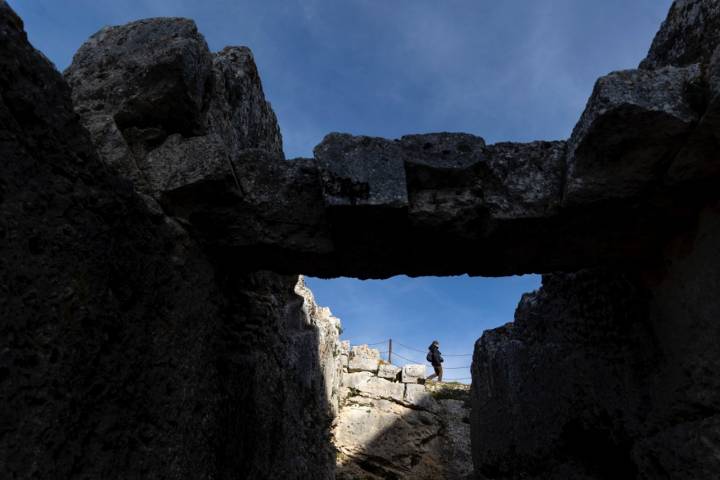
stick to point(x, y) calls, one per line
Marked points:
point(390, 351)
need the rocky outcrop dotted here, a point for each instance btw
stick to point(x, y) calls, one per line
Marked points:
point(394, 427)
point(163, 110)
point(690, 34)
point(125, 350)
point(606, 159)
point(608, 373)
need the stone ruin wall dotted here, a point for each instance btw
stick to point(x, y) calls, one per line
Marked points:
point(392, 424)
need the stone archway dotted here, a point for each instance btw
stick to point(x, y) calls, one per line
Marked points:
point(124, 307)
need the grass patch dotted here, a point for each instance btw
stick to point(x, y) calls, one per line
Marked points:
point(449, 391)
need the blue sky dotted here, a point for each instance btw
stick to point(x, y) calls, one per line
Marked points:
point(415, 311)
point(516, 70)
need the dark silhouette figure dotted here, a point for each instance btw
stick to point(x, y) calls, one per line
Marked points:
point(435, 358)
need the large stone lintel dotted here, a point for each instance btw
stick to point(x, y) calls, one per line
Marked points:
point(440, 203)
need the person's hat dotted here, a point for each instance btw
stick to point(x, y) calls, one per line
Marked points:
point(435, 342)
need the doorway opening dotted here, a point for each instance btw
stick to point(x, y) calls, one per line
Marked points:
point(412, 312)
point(390, 419)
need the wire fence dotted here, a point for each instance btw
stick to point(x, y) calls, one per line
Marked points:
point(390, 353)
point(423, 351)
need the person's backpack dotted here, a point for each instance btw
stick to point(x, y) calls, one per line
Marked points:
point(429, 357)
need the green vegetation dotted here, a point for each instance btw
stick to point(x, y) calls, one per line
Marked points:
point(449, 390)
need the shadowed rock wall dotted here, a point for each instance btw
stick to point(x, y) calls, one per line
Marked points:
point(125, 351)
point(611, 373)
point(562, 391)
point(607, 375)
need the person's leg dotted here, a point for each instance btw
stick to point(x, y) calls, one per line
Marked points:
point(439, 372)
point(431, 376)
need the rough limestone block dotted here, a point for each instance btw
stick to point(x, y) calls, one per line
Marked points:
point(364, 351)
point(412, 373)
point(363, 359)
point(414, 393)
point(373, 175)
point(343, 394)
point(370, 171)
point(381, 388)
point(363, 364)
point(419, 396)
point(388, 371)
point(353, 380)
point(344, 359)
point(632, 121)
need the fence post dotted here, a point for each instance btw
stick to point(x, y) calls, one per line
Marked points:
point(390, 351)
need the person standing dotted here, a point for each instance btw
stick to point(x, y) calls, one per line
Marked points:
point(436, 359)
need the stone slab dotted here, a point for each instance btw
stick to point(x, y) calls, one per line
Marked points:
point(363, 364)
point(381, 388)
point(411, 373)
point(388, 371)
point(354, 380)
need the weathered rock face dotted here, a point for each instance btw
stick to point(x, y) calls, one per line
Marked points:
point(683, 440)
point(690, 34)
point(466, 209)
point(165, 111)
point(126, 351)
point(329, 348)
point(370, 207)
point(561, 392)
point(221, 170)
point(606, 160)
point(387, 428)
point(275, 360)
point(610, 373)
point(603, 375)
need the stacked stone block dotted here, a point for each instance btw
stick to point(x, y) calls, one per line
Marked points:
point(390, 424)
point(365, 372)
